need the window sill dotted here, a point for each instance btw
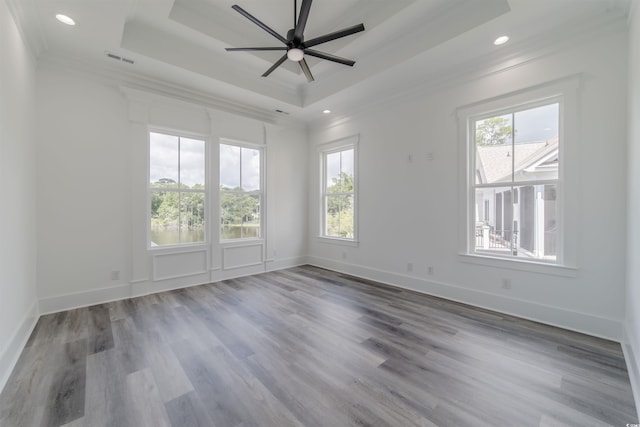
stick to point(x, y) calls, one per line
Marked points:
point(338, 241)
point(185, 247)
point(519, 265)
point(242, 242)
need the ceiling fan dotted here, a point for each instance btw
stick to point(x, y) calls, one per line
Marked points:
point(294, 44)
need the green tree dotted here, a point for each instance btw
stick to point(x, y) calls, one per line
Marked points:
point(494, 131)
point(340, 209)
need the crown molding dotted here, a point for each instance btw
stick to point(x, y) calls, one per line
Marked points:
point(25, 16)
point(511, 57)
point(119, 77)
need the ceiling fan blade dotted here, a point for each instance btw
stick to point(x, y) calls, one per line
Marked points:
point(276, 65)
point(335, 35)
point(306, 70)
point(242, 49)
point(258, 23)
point(329, 57)
point(302, 20)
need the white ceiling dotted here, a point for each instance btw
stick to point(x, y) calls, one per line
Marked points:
point(180, 43)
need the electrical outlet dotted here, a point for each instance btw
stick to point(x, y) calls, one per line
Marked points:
point(430, 270)
point(115, 275)
point(506, 284)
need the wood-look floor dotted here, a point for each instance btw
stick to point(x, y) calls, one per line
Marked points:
point(310, 347)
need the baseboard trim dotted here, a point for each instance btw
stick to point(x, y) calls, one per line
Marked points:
point(281, 264)
point(144, 287)
point(84, 299)
point(631, 351)
point(11, 353)
point(610, 329)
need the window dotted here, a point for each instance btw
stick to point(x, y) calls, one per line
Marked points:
point(515, 161)
point(241, 195)
point(177, 189)
point(339, 190)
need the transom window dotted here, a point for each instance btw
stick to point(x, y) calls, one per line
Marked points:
point(515, 170)
point(339, 190)
point(241, 194)
point(177, 189)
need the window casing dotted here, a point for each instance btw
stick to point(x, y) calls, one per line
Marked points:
point(339, 190)
point(177, 190)
point(241, 191)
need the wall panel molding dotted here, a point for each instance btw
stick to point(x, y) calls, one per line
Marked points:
point(242, 256)
point(180, 264)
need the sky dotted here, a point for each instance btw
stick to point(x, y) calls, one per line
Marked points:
point(536, 124)
point(239, 166)
point(163, 161)
point(341, 161)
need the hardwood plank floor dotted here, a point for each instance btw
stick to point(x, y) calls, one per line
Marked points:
point(310, 347)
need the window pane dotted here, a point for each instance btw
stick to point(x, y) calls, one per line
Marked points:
point(333, 167)
point(339, 216)
point(191, 163)
point(229, 166)
point(536, 147)
point(494, 150)
point(347, 162)
point(163, 158)
point(250, 169)
point(240, 215)
point(251, 216)
point(191, 217)
point(519, 221)
point(165, 215)
point(495, 233)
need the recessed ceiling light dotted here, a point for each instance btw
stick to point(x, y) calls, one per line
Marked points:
point(501, 40)
point(65, 19)
point(326, 111)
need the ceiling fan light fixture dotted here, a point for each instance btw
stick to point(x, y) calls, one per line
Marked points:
point(295, 54)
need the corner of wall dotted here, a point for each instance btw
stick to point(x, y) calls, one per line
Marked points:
point(12, 351)
point(631, 353)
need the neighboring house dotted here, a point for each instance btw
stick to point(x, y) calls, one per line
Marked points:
point(519, 218)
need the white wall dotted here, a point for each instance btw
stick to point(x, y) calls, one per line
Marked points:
point(83, 185)
point(632, 321)
point(18, 301)
point(409, 210)
point(92, 169)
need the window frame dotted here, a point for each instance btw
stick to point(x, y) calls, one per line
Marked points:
point(324, 150)
point(564, 92)
point(261, 192)
point(206, 191)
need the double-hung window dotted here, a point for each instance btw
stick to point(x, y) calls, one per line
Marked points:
point(241, 191)
point(519, 193)
point(177, 189)
point(515, 163)
point(338, 198)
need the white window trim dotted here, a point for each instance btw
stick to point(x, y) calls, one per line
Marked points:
point(180, 247)
point(566, 91)
point(262, 192)
point(322, 151)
